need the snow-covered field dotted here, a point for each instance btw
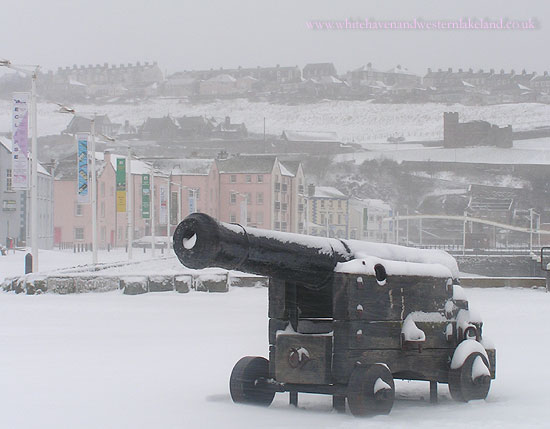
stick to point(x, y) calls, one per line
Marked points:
point(359, 121)
point(163, 360)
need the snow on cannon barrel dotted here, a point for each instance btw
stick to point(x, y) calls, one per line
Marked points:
point(200, 242)
point(347, 317)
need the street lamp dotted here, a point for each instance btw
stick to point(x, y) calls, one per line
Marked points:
point(34, 157)
point(65, 109)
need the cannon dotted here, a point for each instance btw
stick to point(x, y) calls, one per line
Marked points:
point(347, 317)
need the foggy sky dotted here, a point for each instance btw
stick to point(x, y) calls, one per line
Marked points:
point(184, 35)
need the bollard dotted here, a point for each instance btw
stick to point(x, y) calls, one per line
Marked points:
point(28, 263)
point(144, 249)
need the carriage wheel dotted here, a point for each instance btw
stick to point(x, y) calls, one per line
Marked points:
point(371, 390)
point(244, 385)
point(470, 381)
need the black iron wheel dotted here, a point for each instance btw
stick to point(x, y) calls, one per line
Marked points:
point(371, 390)
point(463, 386)
point(247, 383)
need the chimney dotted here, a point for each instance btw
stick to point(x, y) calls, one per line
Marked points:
point(470, 70)
point(460, 70)
point(310, 190)
point(450, 69)
point(107, 156)
point(429, 70)
point(439, 70)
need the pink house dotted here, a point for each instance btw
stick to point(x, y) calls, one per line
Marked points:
point(265, 185)
point(194, 187)
point(73, 221)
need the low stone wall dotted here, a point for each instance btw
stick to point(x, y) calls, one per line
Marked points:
point(500, 266)
point(489, 282)
point(129, 284)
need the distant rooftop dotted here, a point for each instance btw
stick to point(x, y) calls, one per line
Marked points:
point(247, 164)
point(328, 192)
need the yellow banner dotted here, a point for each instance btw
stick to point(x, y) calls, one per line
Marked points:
point(120, 201)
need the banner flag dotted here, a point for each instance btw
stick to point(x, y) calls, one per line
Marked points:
point(145, 196)
point(121, 185)
point(82, 192)
point(20, 133)
point(163, 213)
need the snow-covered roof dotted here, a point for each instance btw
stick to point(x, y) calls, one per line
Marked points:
point(192, 167)
point(284, 171)
point(74, 82)
point(222, 78)
point(247, 164)
point(313, 136)
point(370, 203)
point(328, 192)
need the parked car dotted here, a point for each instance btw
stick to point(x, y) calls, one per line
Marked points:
point(161, 242)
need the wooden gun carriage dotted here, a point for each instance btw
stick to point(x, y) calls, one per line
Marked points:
point(347, 317)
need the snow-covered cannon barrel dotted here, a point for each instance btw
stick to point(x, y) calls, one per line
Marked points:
point(200, 241)
point(347, 317)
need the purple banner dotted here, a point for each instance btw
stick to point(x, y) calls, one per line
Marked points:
point(20, 132)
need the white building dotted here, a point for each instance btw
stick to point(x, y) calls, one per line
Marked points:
point(367, 220)
point(15, 218)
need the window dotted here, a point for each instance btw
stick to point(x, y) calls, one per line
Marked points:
point(284, 207)
point(233, 198)
point(78, 209)
point(9, 180)
point(194, 193)
point(339, 219)
point(322, 204)
point(259, 198)
point(285, 187)
point(248, 218)
point(300, 208)
point(300, 189)
point(248, 178)
point(102, 211)
point(277, 205)
point(79, 234)
point(233, 178)
point(232, 218)
point(259, 218)
point(301, 226)
point(248, 198)
point(102, 189)
point(283, 226)
point(277, 226)
point(260, 178)
point(339, 204)
point(277, 186)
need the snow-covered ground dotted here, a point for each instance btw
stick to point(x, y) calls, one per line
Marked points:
point(359, 121)
point(13, 264)
point(163, 360)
